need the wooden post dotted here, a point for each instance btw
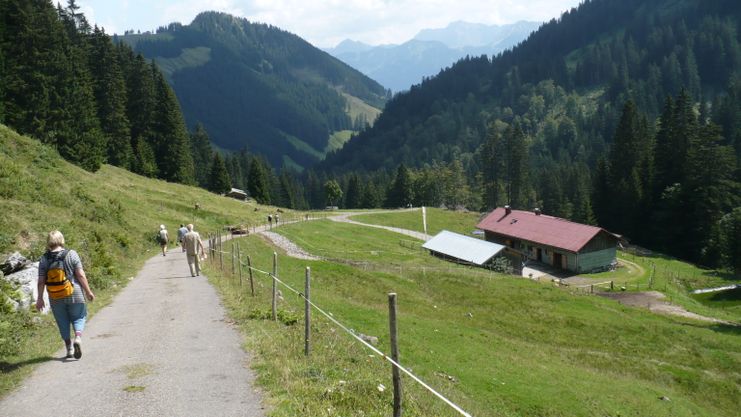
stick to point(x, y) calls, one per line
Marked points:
point(249, 266)
point(307, 312)
point(233, 254)
point(395, 375)
point(239, 264)
point(611, 286)
point(591, 289)
point(275, 286)
point(221, 253)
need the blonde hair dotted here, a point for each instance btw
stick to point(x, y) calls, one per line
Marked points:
point(190, 227)
point(54, 238)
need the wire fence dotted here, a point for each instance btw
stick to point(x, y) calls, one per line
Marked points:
point(216, 250)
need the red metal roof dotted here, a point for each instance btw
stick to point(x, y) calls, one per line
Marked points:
point(546, 230)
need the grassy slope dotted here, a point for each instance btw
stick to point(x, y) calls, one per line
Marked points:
point(109, 217)
point(528, 349)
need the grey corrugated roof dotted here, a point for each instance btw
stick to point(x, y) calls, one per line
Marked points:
point(465, 248)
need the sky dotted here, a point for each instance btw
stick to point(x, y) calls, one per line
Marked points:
point(325, 23)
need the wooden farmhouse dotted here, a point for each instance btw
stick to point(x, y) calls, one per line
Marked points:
point(551, 240)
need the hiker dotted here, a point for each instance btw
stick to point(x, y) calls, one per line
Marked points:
point(270, 220)
point(60, 271)
point(181, 234)
point(276, 219)
point(193, 247)
point(162, 237)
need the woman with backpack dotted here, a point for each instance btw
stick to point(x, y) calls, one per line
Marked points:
point(61, 273)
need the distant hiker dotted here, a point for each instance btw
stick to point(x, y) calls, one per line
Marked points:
point(276, 219)
point(60, 271)
point(270, 220)
point(162, 237)
point(181, 234)
point(193, 248)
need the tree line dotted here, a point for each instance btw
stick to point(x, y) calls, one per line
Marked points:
point(67, 84)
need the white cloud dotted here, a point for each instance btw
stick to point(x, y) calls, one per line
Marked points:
point(327, 22)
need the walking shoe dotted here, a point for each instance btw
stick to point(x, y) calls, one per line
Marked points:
point(78, 347)
point(70, 351)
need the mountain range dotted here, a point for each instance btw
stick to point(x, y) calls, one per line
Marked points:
point(258, 87)
point(398, 67)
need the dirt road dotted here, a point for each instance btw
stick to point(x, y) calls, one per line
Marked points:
point(163, 347)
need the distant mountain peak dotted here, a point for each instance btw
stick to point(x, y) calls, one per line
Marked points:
point(461, 34)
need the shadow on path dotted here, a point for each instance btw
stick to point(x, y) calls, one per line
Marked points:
point(10, 367)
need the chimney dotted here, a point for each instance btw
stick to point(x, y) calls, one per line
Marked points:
point(536, 210)
point(507, 210)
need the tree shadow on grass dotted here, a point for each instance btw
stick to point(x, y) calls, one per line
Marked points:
point(6, 366)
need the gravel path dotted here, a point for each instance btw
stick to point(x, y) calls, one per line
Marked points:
point(164, 347)
point(345, 218)
point(291, 248)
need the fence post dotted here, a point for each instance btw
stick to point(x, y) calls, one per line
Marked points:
point(591, 289)
point(275, 286)
point(611, 286)
point(307, 312)
point(239, 264)
point(249, 266)
point(396, 377)
point(221, 253)
point(233, 271)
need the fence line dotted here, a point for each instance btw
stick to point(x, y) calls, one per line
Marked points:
point(358, 338)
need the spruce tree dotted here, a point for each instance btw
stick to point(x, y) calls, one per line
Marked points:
point(200, 146)
point(353, 193)
point(219, 181)
point(401, 192)
point(258, 181)
point(170, 142)
point(140, 110)
point(110, 96)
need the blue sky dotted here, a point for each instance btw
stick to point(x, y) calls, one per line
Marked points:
point(326, 22)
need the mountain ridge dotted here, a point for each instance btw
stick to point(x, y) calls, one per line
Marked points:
point(257, 86)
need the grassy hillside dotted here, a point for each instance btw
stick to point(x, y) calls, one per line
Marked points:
point(437, 220)
point(109, 217)
point(497, 346)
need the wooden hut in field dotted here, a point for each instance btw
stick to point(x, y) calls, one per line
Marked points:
point(551, 240)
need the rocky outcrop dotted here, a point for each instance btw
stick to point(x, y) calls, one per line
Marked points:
point(25, 279)
point(13, 263)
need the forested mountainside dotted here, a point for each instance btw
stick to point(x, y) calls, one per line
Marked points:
point(66, 84)
point(256, 86)
point(621, 112)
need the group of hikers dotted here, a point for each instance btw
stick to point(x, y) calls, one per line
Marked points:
point(62, 275)
point(191, 243)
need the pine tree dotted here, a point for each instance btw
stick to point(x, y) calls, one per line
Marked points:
point(140, 110)
point(631, 146)
point(517, 169)
point(200, 146)
point(401, 192)
point(109, 90)
point(219, 181)
point(353, 193)
point(171, 144)
point(258, 183)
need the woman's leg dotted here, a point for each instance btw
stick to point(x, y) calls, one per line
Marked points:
point(78, 316)
point(62, 318)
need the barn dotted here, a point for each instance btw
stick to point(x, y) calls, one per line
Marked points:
point(562, 243)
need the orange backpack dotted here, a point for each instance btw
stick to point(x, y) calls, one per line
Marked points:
point(57, 284)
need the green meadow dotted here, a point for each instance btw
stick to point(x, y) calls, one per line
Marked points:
point(495, 345)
